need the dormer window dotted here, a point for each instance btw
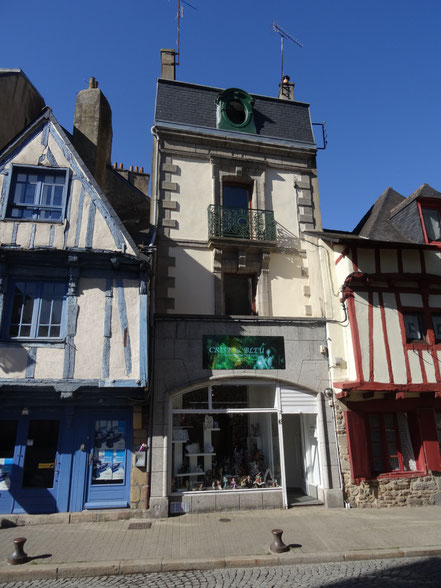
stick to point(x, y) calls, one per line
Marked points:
point(430, 213)
point(235, 111)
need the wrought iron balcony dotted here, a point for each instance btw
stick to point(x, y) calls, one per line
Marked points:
point(237, 223)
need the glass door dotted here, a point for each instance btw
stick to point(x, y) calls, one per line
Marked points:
point(109, 464)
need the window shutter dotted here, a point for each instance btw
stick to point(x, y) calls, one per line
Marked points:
point(358, 444)
point(430, 439)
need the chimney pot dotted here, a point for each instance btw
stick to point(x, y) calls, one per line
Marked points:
point(286, 89)
point(141, 169)
point(115, 165)
point(92, 83)
point(121, 166)
point(131, 168)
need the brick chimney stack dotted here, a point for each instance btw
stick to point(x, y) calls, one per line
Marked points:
point(168, 64)
point(92, 133)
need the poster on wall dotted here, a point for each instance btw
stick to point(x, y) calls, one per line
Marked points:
point(231, 352)
point(109, 451)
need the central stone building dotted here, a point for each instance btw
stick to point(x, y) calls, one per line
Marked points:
point(240, 417)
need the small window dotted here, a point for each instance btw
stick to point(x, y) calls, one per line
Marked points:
point(432, 223)
point(239, 294)
point(36, 310)
point(413, 322)
point(37, 194)
point(436, 319)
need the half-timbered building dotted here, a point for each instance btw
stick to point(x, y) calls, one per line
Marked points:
point(73, 341)
point(384, 343)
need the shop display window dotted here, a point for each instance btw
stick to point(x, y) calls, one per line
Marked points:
point(225, 448)
point(109, 452)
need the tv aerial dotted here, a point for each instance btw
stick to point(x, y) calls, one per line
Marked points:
point(284, 35)
point(179, 15)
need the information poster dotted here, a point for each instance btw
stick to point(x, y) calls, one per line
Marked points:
point(109, 451)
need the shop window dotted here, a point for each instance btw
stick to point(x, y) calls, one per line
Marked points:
point(36, 310)
point(413, 323)
point(225, 449)
point(37, 194)
point(239, 294)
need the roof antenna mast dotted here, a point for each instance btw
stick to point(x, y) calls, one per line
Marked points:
point(283, 35)
point(179, 15)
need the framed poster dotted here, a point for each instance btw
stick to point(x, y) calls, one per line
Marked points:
point(232, 352)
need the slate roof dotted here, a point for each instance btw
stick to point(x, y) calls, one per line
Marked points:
point(376, 224)
point(181, 103)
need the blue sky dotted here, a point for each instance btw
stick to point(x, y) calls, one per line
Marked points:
point(370, 69)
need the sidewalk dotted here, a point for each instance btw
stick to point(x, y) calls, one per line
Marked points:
point(222, 539)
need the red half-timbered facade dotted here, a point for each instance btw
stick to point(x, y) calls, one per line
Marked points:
point(384, 344)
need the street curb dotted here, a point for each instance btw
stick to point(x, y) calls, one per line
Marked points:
point(34, 571)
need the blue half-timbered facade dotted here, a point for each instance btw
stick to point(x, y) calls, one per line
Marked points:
point(73, 337)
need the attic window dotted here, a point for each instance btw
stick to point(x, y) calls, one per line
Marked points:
point(37, 193)
point(235, 111)
point(432, 223)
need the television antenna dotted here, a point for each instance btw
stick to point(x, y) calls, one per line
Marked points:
point(179, 15)
point(283, 35)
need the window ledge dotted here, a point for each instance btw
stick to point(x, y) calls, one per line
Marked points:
point(33, 220)
point(32, 343)
point(394, 476)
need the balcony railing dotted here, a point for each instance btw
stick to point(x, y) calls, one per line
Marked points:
point(237, 223)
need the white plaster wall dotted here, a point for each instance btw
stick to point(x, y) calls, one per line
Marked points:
point(281, 197)
point(194, 281)
point(366, 260)
point(381, 372)
point(415, 367)
point(49, 363)
point(131, 294)
point(24, 234)
point(56, 151)
point(388, 261)
point(361, 309)
point(411, 261)
point(194, 196)
point(42, 234)
point(90, 328)
point(6, 229)
point(316, 298)
point(394, 338)
point(102, 237)
point(117, 358)
point(433, 262)
point(428, 365)
point(13, 362)
point(287, 283)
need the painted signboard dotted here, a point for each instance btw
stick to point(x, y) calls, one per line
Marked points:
point(230, 352)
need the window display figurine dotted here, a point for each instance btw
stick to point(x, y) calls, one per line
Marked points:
point(243, 482)
point(258, 483)
point(233, 484)
point(218, 484)
point(213, 485)
point(224, 482)
point(249, 482)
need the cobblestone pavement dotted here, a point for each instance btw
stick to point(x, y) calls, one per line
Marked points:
point(384, 573)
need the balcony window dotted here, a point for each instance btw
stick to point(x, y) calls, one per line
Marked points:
point(240, 294)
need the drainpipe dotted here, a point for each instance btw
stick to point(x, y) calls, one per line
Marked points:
point(154, 219)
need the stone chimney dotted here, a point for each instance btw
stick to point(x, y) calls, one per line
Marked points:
point(92, 133)
point(168, 64)
point(286, 89)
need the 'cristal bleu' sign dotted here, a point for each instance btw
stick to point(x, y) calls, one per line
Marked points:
point(230, 352)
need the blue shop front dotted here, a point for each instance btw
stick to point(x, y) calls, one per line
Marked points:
point(64, 459)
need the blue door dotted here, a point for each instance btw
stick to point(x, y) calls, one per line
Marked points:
point(101, 474)
point(9, 455)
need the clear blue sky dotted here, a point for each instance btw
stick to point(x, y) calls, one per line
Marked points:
point(370, 69)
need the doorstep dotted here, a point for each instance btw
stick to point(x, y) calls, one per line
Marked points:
point(85, 516)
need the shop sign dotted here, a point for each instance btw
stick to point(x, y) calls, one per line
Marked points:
point(227, 352)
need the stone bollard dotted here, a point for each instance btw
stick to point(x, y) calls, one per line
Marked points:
point(19, 556)
point(277, 546)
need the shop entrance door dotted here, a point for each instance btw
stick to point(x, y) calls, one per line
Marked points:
point(108, 462)
point(36, 471)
